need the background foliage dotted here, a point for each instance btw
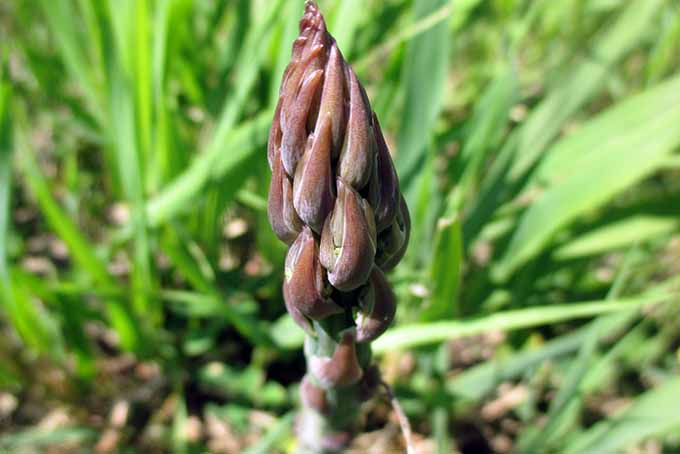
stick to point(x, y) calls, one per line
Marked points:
point(537, 142)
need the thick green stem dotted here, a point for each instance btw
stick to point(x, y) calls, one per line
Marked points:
point(330, 431)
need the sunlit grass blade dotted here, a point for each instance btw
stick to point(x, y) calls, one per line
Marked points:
point(445, 271)
point(188, 258)
point(485, 131)
point(617, 235)
point(130, 170)
point(253, 51)
point(180, 443)
point(440, 430)
point(418, 27)
point(424, 75)
point(159, 163)
point(410, 336)
point(347, 17)
point(143, 85)
point(219, 162)
point(580, 85)
point(623, 157)
point(251, 57)
point(289, 32)
point(665, 52)
point(32, 323)
point(5, 169)
point(60, 16)
point(571, 154)
point(577, 86)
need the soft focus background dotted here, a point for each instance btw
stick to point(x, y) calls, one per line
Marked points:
point(537, 141)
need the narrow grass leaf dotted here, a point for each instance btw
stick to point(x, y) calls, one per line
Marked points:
point(81, 250)
point(410, 336)
point(183, 252)
point(252, 55)
point(288, 34)
point(180, 421)
point(5, 170)
point(219, 162)
point(159, 163)
point(440, 430)
point(130, 173)
point(489, 121)
point(61, 19)
point(624, 156)
point(346, 20)
point(571, 154)
point(34, 326)
point(418, 27)
point(445, 271)
point(424, 75)
point(578, 85)
point(664, 54)
point(617, 235)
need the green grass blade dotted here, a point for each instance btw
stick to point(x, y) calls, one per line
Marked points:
point(288, 34)
point(418, 27)
point(189, 260)
point(445, 271)
point(578, 87)
point(571, 154)
point(410, 336)
point(130, 173)
point(61, 18)
point(652, 414)
point(253, 52)
point(487, 125)
point(160, 157)
point(624, 156)
point(574, 89)
point(5, 170)
point(34, 325)
point(143, 81)
point(424, 75)
point(347, 17)
point(219, 162)
point(180, 443)
point(664, 54)
point(617, 235)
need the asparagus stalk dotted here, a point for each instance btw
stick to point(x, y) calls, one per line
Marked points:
point(334, 199)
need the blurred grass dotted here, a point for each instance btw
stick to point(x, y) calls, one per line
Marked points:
point(536, 142)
